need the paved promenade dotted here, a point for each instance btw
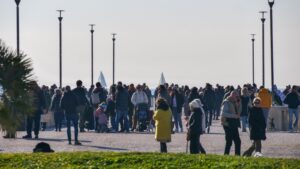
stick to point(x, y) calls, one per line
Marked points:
point(278, 144)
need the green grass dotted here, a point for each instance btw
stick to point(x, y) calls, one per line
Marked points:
point(139, 160)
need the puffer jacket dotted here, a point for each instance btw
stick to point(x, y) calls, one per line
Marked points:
point(266, 98)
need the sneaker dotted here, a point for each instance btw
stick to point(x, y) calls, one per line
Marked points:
point(70, 143)
point(244, 130)
point(77, 143)
point(181, 130)
point(27, 137)
point(36, 137)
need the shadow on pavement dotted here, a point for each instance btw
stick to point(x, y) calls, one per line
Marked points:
point(52, 139)
point(106, 148)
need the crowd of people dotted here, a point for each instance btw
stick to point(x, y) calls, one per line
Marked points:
point(169, 109)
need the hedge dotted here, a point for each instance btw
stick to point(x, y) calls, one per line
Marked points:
point(139, 160)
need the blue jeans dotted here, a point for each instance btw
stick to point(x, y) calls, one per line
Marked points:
point(113, 121)
point(291, 113)
point(244, 120)
point(122, 115)
point(74, 118)
point(177, 118)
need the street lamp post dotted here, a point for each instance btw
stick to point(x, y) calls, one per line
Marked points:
point(253, 58)
point(18, 31)
point(114, 39)
point(271, 3)
point(60, 48)
point(92, 53)
point(263, 19)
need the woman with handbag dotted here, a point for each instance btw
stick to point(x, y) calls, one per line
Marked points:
point(195, 127)
point(162, 117)
point(230, 115)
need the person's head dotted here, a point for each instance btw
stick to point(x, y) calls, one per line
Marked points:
point(195, 104)
point(234, 95)
point(78, 83)
point(42, 147)
point(162, 104)
point(68, 88)
point(139, 87)
point(294, 88)
point(58, 91)
point(98, 84)
point(245, 92)
point(256, 102)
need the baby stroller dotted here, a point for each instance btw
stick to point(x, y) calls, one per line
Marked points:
point(142, 116)
point(101, 118)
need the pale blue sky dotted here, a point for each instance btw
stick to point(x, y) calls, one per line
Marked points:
point(191, 41)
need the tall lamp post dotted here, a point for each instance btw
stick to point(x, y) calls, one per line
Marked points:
point(114, 39)
point(18, 31)
point(253, 57)
point(92, 53)
point(263, 19)
point(60, 48)
point(271, 3)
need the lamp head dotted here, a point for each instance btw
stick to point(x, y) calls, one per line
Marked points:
point(114, 34)
point(17, 2)
point(60, 11)
point(271, 3)
point(252, 36)
point(263, 13)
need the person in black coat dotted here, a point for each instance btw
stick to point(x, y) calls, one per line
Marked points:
point(68, 104)
point(257, 127)
point(195, 127)
point(292, 100)
point(39, 105)
point(55, 107)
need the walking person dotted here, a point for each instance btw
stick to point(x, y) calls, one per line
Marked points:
point(292, 100)
point(39, 105)
point(257, 126)
point(55, 107)
point(196, 127)
point(230, 115)
point(82, 101)
point(209, 99)
point(162, 117)
point(69, 104)
point(177, 102)
point(122, 108)
point(246, 104)
point(140, 100)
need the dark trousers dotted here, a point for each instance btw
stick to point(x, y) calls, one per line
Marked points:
point(37, 120)
point(195, 145)
point(74, 118)
point(58, 116)
point(208, 117)
point(232, 134)
point(163, 147)
point(256, 145)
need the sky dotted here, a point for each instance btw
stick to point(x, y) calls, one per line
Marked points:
point(191, 41)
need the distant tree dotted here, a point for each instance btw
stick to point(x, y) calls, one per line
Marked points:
point(16, 99)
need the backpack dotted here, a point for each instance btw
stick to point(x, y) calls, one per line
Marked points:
point(95, 98)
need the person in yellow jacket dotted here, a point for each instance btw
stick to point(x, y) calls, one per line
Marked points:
point(163, 118)
point(266, 101)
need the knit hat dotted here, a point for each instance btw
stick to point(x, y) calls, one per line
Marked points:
point(196, 103)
